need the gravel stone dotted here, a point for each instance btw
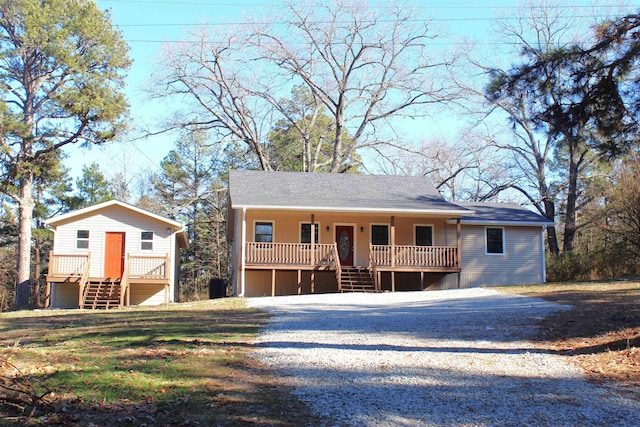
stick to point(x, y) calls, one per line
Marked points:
point(437, 358)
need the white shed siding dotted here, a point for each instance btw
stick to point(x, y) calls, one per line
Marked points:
point(117, 219)
point(64, 295)
point(521, 262)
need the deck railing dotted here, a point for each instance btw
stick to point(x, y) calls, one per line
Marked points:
point(68, 264)
point(148, 267)
point(415, 256)
point(289, 254)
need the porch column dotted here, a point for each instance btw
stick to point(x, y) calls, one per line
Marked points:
point(313, 240)
point(392, 237)
point(243, 244)
point(459, 257)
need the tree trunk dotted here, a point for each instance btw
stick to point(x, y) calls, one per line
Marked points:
point(552, 239)
point(570, 224)
point(25, 208)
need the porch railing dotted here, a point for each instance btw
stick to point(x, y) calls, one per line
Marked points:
point(148, 267)
point(68, 264)
point(290, 254)
point(415, 256)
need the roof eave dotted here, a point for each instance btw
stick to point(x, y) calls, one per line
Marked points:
point(453, 212)
point(508, 223)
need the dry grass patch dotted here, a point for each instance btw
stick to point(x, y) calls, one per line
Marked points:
point(601, 332)
point(185, 364)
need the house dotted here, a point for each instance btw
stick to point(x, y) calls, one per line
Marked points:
point(297, 233)
point(112, 255)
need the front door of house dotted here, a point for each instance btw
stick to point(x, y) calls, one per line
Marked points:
point(114, 254)
point(344, 239)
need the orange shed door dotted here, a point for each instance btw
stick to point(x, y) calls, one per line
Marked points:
point(114, 255)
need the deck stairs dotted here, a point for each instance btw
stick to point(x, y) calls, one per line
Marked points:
point(356, 279)
point(101, 294)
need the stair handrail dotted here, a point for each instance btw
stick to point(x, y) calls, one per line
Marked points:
point(336, 262)
point(83, 281)
point(124, 281)
point(374, 269)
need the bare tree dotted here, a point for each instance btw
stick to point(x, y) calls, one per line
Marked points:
point(365, 66)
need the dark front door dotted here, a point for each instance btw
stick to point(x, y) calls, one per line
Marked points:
point(114, 255)
point(344, 239)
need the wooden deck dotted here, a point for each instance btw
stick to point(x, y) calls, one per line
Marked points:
point(139, 269)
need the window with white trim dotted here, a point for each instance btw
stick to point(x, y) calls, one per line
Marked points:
point(82, 239)
point(305, 232)
point(263, 232)
point(424, 235)
point(146, 240)
point(379, 234)
point(494, 240)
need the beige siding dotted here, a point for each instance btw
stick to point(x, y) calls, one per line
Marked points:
point(521, 262)
point(115, 219)
point(64, 295)
point(147, 294)
point(286, 228)
point(259, 283)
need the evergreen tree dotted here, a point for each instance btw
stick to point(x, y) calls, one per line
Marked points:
point(61, 75)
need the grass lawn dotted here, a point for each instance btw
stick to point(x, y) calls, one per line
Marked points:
point(184, 364)
point(187, 364)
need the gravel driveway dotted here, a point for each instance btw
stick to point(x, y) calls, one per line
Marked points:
point(439, 358)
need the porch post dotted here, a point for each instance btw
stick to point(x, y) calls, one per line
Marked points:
point(313, 240)
point(459, 258)
point(273, 282)
point(393, 241)
point(243, 244)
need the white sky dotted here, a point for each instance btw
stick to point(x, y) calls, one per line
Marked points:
point(147, 24)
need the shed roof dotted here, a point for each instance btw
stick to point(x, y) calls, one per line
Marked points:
point(70, 216)
point(502, 213)
point(338, 193)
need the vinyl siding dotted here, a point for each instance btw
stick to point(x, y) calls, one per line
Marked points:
point(521, 262)
point(64, 295)
point(116, 219)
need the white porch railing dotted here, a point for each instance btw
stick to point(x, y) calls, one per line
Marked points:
point(415, 256)
point(290, 254)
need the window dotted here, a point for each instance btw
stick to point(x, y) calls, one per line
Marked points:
point(146, 240)
point(305, 233)
point(495, 240)
point(82, 239)
point(424, 235)
point(264, 232)
point(379, 234)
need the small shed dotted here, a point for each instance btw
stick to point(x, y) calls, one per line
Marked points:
point(114, 254)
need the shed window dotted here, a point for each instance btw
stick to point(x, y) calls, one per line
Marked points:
point(379, 234)
point(82, 239)
point(146, 240)
point(305, 233)
point(495, 240)
point(264, 232)
point(424, 235)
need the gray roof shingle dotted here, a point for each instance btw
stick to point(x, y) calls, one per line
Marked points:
point(364, 193)
point(338, 192)
point(501, 213)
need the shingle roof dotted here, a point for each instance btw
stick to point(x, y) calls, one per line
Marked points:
point(337, 192)
point(501, 213)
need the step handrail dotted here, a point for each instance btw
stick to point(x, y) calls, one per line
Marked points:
point(338, 267)
point(83, 282)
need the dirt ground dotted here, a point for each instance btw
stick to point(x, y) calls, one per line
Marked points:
point(600, 333)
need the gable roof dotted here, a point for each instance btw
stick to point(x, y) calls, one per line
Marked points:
point(502, 214)
point(175, 225)
point(338, 193)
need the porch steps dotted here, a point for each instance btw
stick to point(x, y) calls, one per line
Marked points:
point(356, 279)
point(101, 294)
